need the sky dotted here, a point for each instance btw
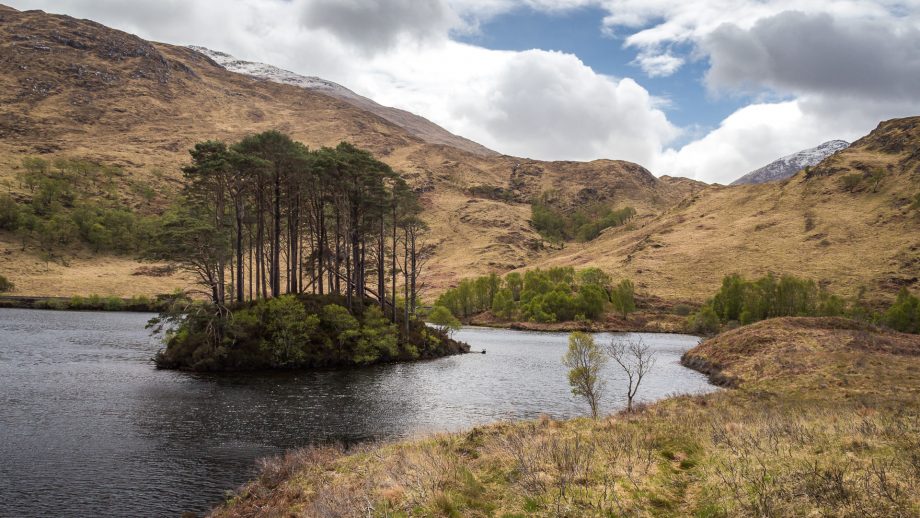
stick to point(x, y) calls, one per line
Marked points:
point(707, 89)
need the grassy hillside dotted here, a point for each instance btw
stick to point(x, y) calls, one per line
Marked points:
point(814, 225)
point(822, 421)
point(74, 88)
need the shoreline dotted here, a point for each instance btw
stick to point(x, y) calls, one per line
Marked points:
point(81, 303)
point(640, 322)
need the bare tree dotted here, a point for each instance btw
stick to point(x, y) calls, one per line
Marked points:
point(585, 361)
point(636, 359)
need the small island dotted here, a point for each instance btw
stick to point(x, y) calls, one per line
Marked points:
point(302, 259)
point(296, 332)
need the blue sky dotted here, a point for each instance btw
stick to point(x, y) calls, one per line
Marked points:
point(580, 32)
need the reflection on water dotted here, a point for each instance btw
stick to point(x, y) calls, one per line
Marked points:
point(89, 428)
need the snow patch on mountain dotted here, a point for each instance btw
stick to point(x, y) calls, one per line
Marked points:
point(275, 74)
point(791, 164)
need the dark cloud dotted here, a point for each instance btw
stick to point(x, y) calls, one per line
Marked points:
point(798, 52)
point(375, 26)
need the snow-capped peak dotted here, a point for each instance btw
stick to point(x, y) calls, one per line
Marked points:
point(790, 164)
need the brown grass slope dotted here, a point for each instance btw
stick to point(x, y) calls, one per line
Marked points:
point(816, 357)
point(824, 420)
point(808, 225)
point(75, 88)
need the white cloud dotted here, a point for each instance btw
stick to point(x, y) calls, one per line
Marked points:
point(658, 64)
point(549, 105)
point(757, 134)
point(375, 27)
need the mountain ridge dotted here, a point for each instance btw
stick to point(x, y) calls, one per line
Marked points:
point(414, 124)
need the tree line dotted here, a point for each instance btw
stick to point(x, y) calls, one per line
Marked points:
point(556, 294)
point(747, 301)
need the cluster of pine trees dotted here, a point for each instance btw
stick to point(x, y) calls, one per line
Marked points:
point(267, 216)
point(552, 295)
point(309, 258)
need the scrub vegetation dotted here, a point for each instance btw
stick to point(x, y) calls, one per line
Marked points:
point(582, 224)
point(290, 332)
point(69, 202)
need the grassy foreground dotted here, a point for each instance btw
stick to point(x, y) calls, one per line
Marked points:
point(822, 419)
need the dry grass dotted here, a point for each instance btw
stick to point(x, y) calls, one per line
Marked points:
point(850, 447)
point(84, 274)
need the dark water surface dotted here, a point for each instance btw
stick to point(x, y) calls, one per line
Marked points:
point(88, 427)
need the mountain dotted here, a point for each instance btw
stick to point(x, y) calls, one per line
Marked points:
point(75, 88)
point(789, 165)
point(851, 222)
point(414, 124)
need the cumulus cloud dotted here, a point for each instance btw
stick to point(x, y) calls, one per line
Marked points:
point(841, 65)
point(549, 105)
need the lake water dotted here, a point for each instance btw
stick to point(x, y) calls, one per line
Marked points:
point(88, 427)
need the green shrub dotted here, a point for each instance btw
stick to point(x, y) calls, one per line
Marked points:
point(850, 182)
point(9, 213)
point(624, 297)
point(443, 319)
point(549, 223)
point(591, 302)
point(6, 285)
point(904, 314)
point(113, 304)
point(550, 295)
point(682, 310)
point(705, 321)
point(378, 338)
point(288, 329)
point(344, 327)
point(740, 300)
point(503, 304)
